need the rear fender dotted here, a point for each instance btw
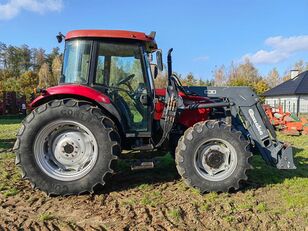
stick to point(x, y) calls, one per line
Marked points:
point(80, 93)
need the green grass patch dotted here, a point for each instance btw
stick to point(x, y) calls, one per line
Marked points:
point(8, 130)
point(145, 187)
point(261, 207)
point(175, 213)
point(152, 198)
point(129, 201)
point(11, 192)
point(45, 217)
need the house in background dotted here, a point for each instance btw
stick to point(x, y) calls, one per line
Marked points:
point(292, 95)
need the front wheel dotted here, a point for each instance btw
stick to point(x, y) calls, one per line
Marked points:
point(67, 147)
point(212, 156)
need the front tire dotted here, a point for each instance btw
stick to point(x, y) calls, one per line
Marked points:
point(212, 156)
point(67, 147)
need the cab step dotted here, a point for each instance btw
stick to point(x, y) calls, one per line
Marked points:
point(143, 165)
point(143, 147)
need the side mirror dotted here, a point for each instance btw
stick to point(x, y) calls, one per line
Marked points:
point(60, 37)
point(159, 60)
point(154, 70)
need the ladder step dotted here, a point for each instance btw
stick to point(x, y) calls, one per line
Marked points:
point(143, 165)
point(143, 147)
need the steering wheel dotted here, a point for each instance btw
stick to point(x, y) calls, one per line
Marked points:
point(126, 79)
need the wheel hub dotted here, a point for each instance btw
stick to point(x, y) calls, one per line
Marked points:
point(215, 159)
point(68, 148)
point(71, 149)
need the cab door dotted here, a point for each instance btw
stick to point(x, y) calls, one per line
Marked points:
point(121, 68)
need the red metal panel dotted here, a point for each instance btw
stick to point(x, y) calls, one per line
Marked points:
point(189, 117)
point(73, 90)
point(109, 34)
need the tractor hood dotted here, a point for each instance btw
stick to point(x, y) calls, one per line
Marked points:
point(162, 93)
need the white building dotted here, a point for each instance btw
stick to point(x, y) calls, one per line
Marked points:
point(292, 94)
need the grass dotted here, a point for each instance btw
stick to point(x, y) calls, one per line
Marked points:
point(45, 217)
point(9, 176)
point(175, 213)
point(8, 130)
point(152, 198)
point(10, 192)
point(261, 207)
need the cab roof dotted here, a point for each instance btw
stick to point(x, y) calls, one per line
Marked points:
point(114, 34)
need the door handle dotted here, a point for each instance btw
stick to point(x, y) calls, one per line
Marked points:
point(144, 99)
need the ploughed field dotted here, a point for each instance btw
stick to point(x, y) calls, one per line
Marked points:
point(157, 199)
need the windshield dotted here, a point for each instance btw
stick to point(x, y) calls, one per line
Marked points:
point(76, 62)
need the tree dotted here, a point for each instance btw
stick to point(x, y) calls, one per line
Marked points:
point(243, 75)
point(27, 82)
point(56, 69)
point(220, 76)
point(189, 80)
point(54, 53)
point(24, 53)
point(38, 58)
point(44, 76)
point(3, 58)
point(273, 78)
point(161, 79)
point(11, 84)
point(260, 87)
point(12, 60)
point(299, 65)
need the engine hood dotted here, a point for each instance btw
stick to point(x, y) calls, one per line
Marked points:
point(162, 93)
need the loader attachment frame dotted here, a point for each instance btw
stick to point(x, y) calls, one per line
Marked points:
point(246, 110)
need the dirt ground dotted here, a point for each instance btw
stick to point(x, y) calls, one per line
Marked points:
point(158, 199)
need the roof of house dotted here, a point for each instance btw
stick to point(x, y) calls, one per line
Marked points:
point(295, 86)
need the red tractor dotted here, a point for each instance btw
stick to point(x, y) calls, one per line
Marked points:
point(106, 102)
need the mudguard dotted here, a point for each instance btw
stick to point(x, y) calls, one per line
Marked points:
point(78, 92)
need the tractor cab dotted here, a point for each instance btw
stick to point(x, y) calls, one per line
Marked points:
point(115, 63)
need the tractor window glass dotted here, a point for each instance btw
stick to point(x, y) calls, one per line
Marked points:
point(120, 67)
point(76, 61)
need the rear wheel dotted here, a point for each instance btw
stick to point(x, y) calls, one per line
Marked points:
point(67, 147)
point(211, 156)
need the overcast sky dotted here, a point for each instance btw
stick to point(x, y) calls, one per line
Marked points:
point(204, 34)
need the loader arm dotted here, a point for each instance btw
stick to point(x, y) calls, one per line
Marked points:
point(244, 106)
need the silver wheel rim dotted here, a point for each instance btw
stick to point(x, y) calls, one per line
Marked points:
point(65, 150)
point(223, 168)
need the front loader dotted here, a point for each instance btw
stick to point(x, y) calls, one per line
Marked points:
point(106, 102)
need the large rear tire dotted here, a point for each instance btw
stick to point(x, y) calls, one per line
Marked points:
point(212, 156)
point(67, 147)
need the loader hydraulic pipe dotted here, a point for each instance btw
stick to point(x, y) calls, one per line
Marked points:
point(208, 105)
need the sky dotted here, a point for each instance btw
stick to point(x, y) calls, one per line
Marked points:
point(204, 34)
